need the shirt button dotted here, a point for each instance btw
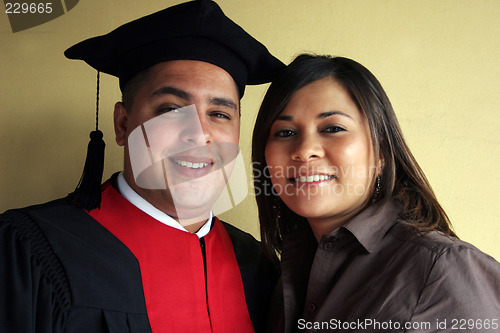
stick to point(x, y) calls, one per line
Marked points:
point(328, 246)
point(311, 307)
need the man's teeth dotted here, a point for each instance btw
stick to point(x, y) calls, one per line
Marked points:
point(190, 164)
point(310, 179)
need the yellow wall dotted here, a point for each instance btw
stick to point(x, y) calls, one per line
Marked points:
point(439, 62)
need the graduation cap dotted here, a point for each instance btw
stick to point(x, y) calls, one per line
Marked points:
point(196, 30)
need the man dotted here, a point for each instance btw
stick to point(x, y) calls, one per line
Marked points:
point(151, 257)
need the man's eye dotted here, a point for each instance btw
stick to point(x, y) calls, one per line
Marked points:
point(284, 133)
point(165, 109)
point(333, 129)
point(221, 115)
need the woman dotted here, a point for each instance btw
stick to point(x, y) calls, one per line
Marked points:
point(364, 244)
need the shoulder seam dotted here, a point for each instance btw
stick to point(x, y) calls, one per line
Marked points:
point(437, 247)
point(437, 255)
point(52, 269)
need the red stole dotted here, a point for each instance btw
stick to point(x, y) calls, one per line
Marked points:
point(172, 270)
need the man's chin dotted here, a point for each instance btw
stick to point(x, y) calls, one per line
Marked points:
point(191, 207)
point(191, 215)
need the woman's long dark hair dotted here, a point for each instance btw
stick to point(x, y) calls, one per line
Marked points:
point(402, 178)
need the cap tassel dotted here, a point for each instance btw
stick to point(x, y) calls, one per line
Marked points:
point(87, 194)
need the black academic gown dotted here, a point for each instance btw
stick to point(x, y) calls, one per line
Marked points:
point(54, 258)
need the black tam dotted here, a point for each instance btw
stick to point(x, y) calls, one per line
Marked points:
point(196, 30)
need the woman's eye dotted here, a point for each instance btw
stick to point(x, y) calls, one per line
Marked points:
point(333, 129)
point(284, 133)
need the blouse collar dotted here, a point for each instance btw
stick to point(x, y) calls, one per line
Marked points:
point(371, 225)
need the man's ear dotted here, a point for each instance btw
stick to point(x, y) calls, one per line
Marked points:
point(120, 117)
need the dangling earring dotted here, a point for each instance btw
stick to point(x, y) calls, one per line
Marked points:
point(376, 192)
point(276, 209)
point(276, 218)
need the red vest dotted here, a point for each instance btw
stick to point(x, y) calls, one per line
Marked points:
point(178, 298)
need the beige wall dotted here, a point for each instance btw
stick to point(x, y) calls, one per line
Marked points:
point(438, 61)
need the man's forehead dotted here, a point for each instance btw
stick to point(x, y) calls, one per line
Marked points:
point(188, 96)
point(189, 79)
point(190, 68)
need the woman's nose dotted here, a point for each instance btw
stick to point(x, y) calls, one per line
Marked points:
point(308, 148)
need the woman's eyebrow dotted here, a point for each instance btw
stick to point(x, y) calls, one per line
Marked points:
point(285, 118)
point(324, 115)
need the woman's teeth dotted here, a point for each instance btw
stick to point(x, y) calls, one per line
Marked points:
point(190, 164)
point(310, 179)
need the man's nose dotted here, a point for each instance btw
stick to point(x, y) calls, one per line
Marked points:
point(197, 130)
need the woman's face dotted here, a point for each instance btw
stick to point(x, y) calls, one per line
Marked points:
point(320, 155)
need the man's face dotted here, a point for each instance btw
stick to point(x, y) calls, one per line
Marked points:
point(187, 115)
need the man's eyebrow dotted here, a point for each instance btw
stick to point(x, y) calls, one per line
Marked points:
point(221, 101)
point(324, 115)
point(167, 90)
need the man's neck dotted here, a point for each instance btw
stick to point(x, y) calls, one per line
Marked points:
point(193, 225)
